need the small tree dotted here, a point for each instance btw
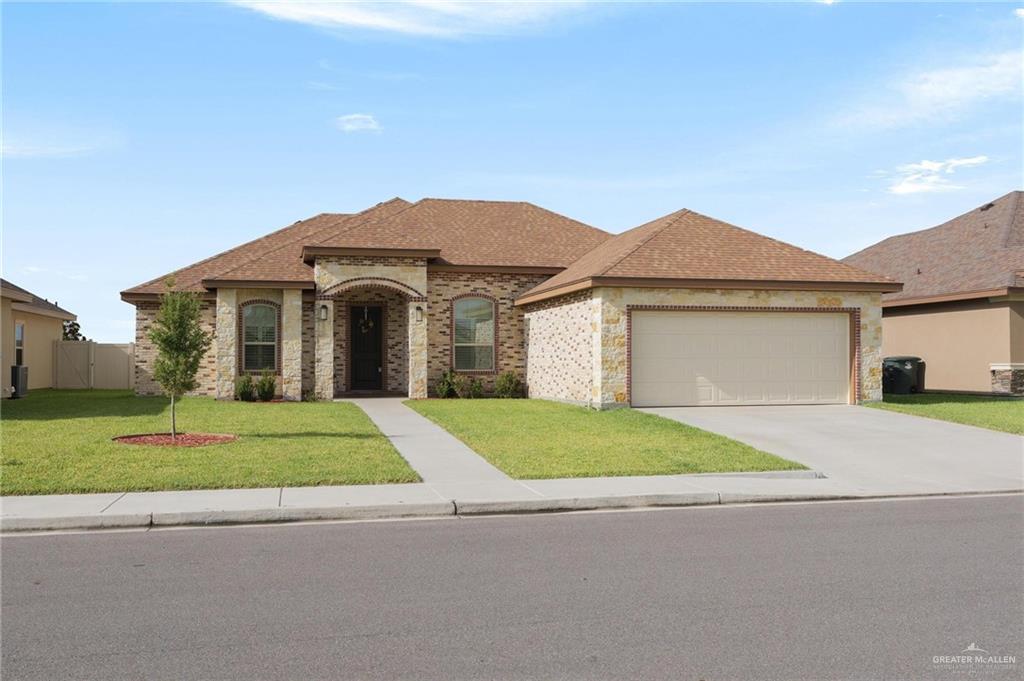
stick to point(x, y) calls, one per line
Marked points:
point(180, 343)
point(73, 332)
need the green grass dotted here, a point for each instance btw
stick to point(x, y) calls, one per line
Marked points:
point(995, 413)
point(540, 439)
point(59, 441)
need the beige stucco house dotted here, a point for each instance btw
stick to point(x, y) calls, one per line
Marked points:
point(962, 305)
point(30, 326)
point(683, 310)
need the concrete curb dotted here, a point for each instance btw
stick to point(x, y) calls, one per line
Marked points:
point(439, 509)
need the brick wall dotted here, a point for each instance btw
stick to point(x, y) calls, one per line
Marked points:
point(560, 338)
point(442, 287)
point(308, 346)
point(396, 337)
point(145, 352)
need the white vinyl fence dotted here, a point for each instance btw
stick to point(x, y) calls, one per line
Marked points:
point(85, 364)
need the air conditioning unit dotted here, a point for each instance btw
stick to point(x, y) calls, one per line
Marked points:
point(19, 380)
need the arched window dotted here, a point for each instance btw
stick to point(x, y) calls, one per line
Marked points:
point(259, 337)
point(473, 340)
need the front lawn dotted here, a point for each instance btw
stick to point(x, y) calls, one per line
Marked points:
point(995, 413)
point(59, 441)
point(540, 439)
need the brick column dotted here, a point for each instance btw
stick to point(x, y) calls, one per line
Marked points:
point(291, 344)
point(324, 359)
point(417, 349)
point(226, 342)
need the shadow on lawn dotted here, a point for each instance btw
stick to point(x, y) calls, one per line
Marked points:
point(51, 405)
point(948, 398)
point(285, 436)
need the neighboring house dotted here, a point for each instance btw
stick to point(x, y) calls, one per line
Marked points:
point(962, 304)
point(683, 310)
point(30, 326)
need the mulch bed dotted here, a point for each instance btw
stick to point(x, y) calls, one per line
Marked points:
point(183, 439)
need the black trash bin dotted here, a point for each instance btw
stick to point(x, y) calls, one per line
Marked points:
point(902, 375)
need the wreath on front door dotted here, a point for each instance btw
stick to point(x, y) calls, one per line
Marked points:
point(365, 324)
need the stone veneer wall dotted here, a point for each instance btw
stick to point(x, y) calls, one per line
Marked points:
point(145, 352)
point(442, 287)
point(332, 270)
point(560, 340)
point(1005, 381)
point(396, 336)
point(610, 380)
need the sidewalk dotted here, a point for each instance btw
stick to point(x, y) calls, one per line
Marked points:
point(358, 502)
point(457, 481)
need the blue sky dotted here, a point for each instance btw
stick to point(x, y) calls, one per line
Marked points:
point(141, 137)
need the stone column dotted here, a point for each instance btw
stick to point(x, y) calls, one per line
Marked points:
point(417, 349)
point(324, 360)
point(291, 344)
point(226, 342)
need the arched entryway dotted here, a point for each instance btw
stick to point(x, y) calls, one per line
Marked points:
point(371, 337)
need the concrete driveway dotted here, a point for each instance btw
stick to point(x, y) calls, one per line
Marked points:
point(870, 450)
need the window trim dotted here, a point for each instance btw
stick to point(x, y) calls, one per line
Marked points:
point(18, 349)
point(451, 331)
point(241, 337)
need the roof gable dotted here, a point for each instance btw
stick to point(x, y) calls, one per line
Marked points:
point(981, 250)
point(686, 245)
point(190, 278)
point(478, 233)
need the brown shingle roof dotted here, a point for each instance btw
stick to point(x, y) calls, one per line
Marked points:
point(689, 246)
point(285, 263)
point(981, 250)
point(494, 233)
point(42, 304)
point(190, 278)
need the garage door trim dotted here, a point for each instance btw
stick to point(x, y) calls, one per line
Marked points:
point(853, 312)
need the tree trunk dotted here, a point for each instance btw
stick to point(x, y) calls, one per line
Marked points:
point(174, 425)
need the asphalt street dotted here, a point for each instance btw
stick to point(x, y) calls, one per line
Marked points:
point(850, 590)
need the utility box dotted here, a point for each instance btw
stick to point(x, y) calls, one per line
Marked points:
point(19, 380)
point(902, 375)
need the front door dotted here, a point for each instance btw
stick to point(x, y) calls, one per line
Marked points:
point(365, 339)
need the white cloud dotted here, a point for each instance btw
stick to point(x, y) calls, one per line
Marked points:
point(929, 176)
point(1019, 12)
point(357, 123)
point(940, 93)
point(435, 18)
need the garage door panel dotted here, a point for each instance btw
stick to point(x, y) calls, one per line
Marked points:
point(692, 358)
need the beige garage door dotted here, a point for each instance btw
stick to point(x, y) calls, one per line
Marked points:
point(741, 358)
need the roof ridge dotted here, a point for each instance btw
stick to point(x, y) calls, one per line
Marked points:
point(1011, 218)
point(786, 244)
point(678, 214)
point(348, 217)
point(167, 276)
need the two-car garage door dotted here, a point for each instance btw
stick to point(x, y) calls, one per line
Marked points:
point(738, 358)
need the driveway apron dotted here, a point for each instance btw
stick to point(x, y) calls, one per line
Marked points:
point(871, 450)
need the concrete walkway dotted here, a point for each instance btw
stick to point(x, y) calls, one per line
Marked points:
point(432, 451)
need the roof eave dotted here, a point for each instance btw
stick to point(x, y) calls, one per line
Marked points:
point(953, 297)
point(258, 283)
point(754, 284)
point(42, 311)
point(309, 253)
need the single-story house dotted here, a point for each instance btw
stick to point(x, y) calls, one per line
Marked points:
point(682, 310)
point(962, 304)
point(30, 326)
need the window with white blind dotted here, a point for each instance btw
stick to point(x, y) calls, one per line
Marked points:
point(473, 342)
